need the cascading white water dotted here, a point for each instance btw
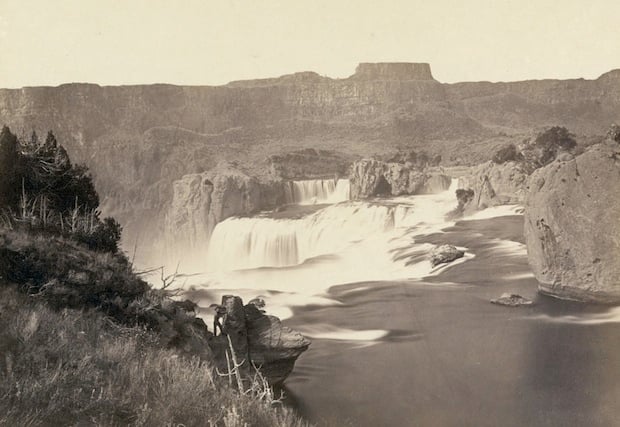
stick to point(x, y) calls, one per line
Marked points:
point(241, 243)
point(292, 262)
point(246, 243)
point(315, 191)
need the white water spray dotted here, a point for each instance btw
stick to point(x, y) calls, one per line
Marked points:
point(315, 191)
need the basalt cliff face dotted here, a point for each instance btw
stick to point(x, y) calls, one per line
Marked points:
point(202, 200)
point(572, 227)
point(138, 140)
point(495, 184)
point(371, 178)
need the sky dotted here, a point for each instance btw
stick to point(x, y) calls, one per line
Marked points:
point(205, 42)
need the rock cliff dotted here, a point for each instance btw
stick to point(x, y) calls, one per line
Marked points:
point(371, 177)
point(572, 228)
point(202, 200)
point(495, 184)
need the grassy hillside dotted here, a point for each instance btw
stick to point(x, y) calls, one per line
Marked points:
point(84, 341)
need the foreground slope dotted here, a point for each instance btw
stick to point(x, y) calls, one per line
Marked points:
point(85, 341)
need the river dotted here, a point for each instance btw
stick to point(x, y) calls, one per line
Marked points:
point(397, 342)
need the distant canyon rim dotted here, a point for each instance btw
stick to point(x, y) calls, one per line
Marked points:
point(139, 140)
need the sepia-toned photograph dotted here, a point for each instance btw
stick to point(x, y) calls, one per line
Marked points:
point(299, 213)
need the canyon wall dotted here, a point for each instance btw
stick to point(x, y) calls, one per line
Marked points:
point(137, 140)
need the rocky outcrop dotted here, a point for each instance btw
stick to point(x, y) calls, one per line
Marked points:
point(258, 340)
point(495, 184)
point(371, 177)
point(445, 254)
point(572, 228)
point(200, 201)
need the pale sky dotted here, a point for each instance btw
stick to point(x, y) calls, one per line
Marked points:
point(206, 42)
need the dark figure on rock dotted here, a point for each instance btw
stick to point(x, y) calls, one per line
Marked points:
point(220, 312)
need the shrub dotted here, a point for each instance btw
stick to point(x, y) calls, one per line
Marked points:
point(614, 133)
point(71, 274)
point(551, 141)
point(104, 237)
point(418, 159)
point(508, 153)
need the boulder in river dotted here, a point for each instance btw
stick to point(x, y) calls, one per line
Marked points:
point(572, 226)
point(444, 254)
point(512, 300)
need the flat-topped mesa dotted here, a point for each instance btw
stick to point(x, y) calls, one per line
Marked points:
point(393, 71)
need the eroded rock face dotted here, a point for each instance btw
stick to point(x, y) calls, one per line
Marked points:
point(272, 346)
point(371, 177)
point(200, 201)
point(258, 340)
point(572, 226)
point(495, 184)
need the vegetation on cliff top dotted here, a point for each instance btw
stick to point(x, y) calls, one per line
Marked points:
point(40, 189)
point(542, 150)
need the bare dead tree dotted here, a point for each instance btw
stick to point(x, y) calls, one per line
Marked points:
point(233, 370)
point(168, 280)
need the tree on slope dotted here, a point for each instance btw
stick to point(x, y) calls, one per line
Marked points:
point(553, 140)
point(8, 161)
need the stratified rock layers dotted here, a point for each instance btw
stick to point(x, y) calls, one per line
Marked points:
point(572, 226)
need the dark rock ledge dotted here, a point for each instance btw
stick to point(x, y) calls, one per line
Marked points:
point(259, 340)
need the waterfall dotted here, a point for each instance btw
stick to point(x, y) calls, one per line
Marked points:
point(381, 227)
point(241, 243)
point(314, 191)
